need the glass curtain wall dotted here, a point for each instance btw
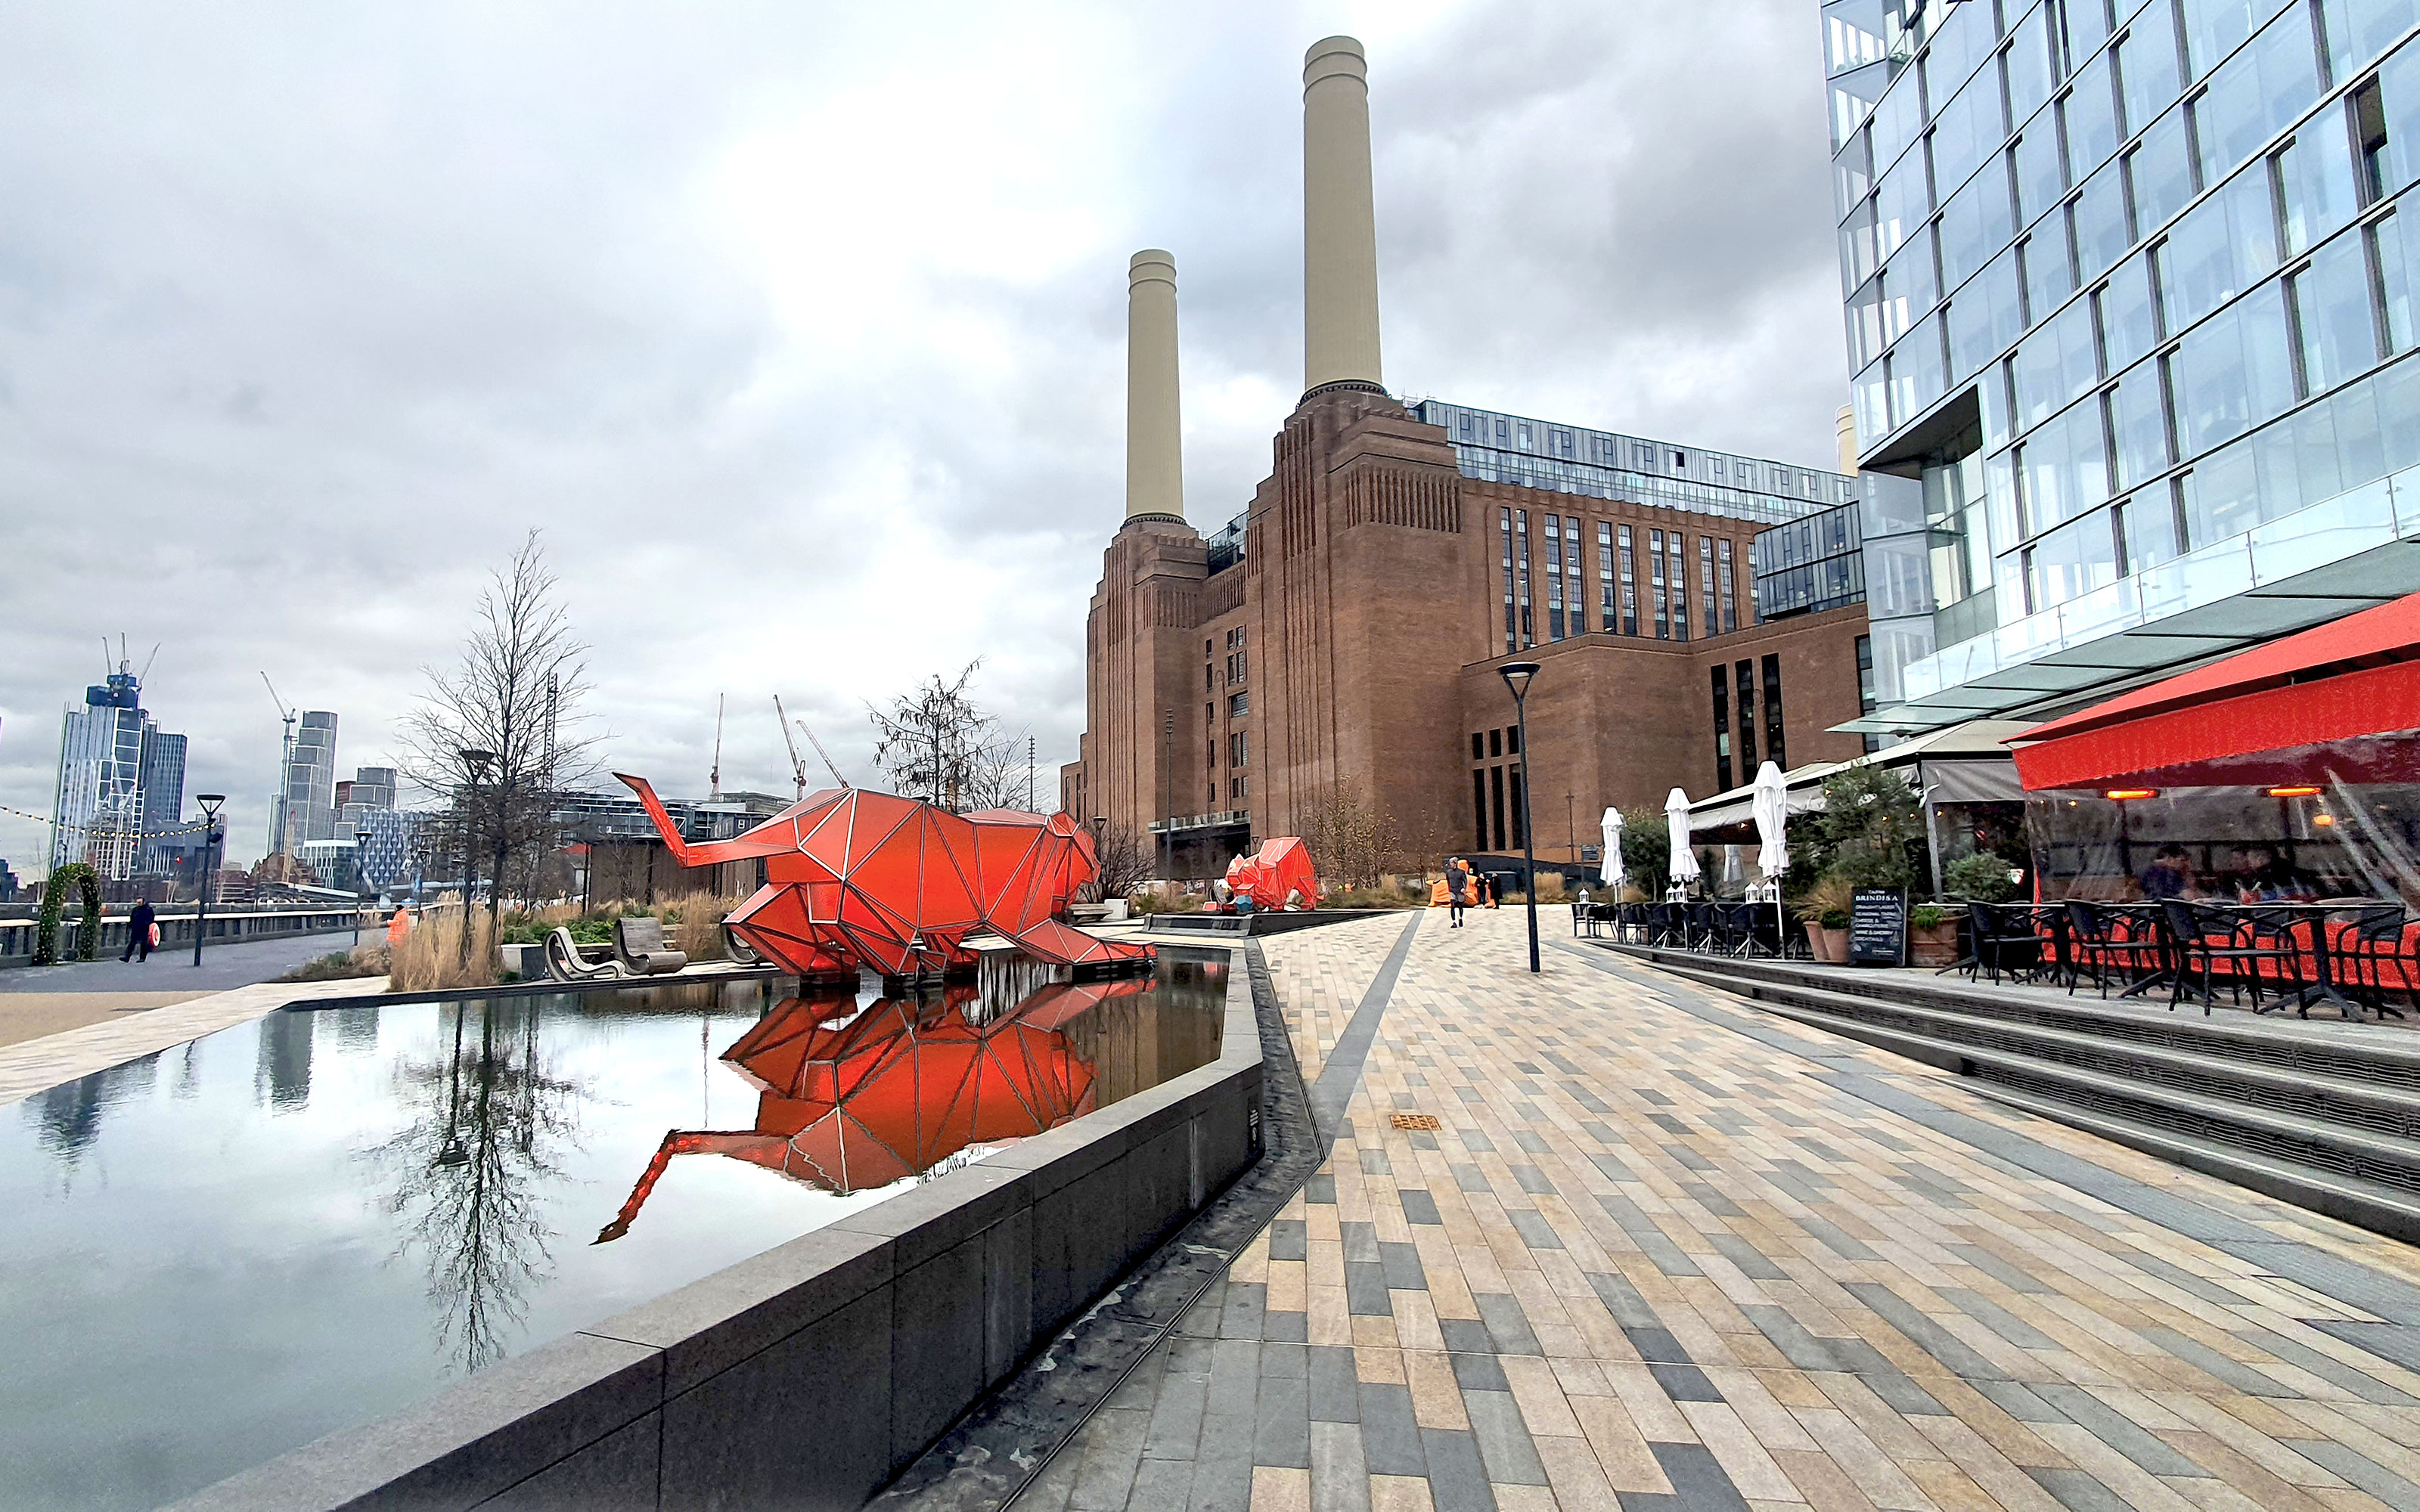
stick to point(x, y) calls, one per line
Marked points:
point(2157, 247)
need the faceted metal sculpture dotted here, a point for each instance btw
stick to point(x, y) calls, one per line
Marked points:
point(1282, 869)
point(852, 1101)
point(896, 885)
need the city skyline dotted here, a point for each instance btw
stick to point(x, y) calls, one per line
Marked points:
point(645, 359)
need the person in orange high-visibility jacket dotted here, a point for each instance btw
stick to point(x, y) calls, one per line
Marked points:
point(397, 927)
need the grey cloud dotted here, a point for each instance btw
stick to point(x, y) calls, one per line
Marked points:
point(306, 312)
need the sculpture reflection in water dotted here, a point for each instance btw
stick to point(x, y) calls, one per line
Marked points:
point(469, 1169)
point(850, 1100)
point(872, 881)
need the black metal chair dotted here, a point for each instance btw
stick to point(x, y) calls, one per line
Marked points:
point(2219, 938)
point(1701, 916)
point(2101, 939)
point(2002, 940)
point(1667, 926)
point(2375, 956)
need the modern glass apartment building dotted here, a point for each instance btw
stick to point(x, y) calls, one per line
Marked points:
point(2129, 312)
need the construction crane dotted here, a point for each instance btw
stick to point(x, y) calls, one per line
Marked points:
point(714, 776)
point(285, 765)
point(798, 767)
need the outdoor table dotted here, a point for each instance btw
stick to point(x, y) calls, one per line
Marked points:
point(2323, 987)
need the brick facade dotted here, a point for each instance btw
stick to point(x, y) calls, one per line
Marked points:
point(1366, 620)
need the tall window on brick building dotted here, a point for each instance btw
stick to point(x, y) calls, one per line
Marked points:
point(1608, 615)
point(1554, 577)
point(1866, 687)
point(1478, 807)
point(1504, 527)
point(1706, 583)
point(1722, 730)
point(1676, 570)
point(1629, 587)
point(1730, 602)
point(1773, 712)
point(1521, 572)
point(1655, 584)
point(1575, 592)
point(1518, 838)
point(1746, 673)
point(1495, 802)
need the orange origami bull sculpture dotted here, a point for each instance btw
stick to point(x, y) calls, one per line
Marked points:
point(1281, 867)
point(874, 881)
point(863, 1100)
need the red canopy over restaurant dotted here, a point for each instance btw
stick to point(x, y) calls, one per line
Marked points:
point(2290, 770)
point(2342, 697)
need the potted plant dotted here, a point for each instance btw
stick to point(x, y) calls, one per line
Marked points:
point(1932, 935)
point(1982, 876)
point(1823, 908)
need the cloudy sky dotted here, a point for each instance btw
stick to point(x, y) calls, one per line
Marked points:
point(796, 328)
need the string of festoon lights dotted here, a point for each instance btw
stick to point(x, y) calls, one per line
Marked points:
point(110, 832)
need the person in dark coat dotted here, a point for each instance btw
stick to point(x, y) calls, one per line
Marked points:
point(1457, 889)
point(138, 933)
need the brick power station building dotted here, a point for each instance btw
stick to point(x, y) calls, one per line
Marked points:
point(1342, 633)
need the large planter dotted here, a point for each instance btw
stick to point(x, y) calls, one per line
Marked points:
point(1830, 946)
point(1935, 947)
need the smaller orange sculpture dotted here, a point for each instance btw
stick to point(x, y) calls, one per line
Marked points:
point(1281, 876)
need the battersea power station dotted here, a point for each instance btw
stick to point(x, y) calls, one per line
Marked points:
point(1693, 613)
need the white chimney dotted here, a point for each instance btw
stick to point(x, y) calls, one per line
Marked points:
point(1339, 235)
point(1154, 448)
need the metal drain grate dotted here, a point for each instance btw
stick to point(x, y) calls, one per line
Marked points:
point(1414, 1121)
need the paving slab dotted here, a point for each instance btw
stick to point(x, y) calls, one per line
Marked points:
point(1601, 1238)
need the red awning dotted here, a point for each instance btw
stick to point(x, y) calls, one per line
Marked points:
point(2281, 713)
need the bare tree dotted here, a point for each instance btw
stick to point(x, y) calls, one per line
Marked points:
point(498, 731)
point(938, 743)
point(1122, 862)
point(1349, 839)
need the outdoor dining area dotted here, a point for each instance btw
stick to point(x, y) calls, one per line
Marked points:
point(2246, 834)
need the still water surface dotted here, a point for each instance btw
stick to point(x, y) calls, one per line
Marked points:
point(215, 1254)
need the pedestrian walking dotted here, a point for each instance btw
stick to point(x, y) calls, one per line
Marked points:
point(138, 933)
point(1457, 882)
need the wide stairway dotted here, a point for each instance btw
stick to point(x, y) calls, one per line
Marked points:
point(2320, 1113)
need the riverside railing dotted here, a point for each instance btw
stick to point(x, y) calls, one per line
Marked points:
point(224, 927)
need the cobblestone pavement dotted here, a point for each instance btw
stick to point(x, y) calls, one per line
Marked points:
point(1663, 1252)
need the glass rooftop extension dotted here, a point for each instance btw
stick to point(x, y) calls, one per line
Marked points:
point(1601, 463)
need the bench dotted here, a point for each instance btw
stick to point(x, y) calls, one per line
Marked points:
point(639, 947)
point(566, 961)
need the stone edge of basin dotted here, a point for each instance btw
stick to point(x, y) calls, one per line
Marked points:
point(811, 1374)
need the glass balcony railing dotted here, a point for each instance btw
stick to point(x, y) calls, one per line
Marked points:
point(2315, 536)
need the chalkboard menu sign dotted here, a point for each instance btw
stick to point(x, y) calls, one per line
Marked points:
point(1878, 927)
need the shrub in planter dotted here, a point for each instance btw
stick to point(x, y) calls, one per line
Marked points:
point(1982, 876)
point(1932, 935)
point(1873, 821)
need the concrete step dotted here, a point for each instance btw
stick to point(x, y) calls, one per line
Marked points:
point(2219, 1099)
point(2384, 1108)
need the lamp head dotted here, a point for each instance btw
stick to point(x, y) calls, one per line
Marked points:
point(209, 802)
point(1516, 677)
point(478, 760)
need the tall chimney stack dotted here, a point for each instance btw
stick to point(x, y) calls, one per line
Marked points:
point(1154, 451)
point(1339, 235)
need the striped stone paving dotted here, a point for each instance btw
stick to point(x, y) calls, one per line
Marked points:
point(1661, 1252)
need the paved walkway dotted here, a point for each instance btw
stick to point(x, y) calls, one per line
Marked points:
point(1663, 1252)
point(36, 1001)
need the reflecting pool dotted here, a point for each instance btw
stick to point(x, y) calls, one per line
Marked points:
point(217, 1252)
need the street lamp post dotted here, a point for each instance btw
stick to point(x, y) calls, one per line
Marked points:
point(209, 802)
point(477, 762)
point(1516, 677)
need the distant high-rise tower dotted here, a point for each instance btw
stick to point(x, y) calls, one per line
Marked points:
point(304, 805)
point(121, 782)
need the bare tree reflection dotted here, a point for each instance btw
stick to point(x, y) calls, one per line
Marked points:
point(470, 1170)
